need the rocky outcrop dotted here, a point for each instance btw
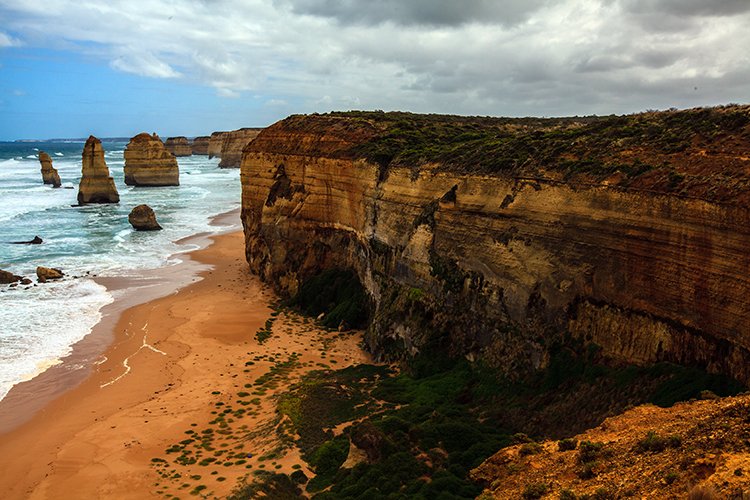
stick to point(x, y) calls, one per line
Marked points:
point(142, 218)
point(96, 184)
point(499, 239)
point(49, 173)
point(232, 145)
point(647, 452)
point(214, 144)
point(7, 277)
point(45, 274)
point(36, 240)
point(200, 145)
point(149, 163)
point(179, 146)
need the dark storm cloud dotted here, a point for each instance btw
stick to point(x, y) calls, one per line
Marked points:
point(689, 7)
point(417, 12)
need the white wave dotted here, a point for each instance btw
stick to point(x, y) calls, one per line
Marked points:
point(59, 154)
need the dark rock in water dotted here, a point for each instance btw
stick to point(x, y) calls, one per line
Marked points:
point(142, 218)
point(8, 277)
point(36, 241)
point(26, 281)
point(48, 273)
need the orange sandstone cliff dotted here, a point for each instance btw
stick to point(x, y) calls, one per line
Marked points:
point(498, 238)
point(199, 145)
point(214, 144)
point(179, 146)
point(232, 145)
point(148, 163)
point(96, 185)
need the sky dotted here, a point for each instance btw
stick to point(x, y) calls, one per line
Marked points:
point(69, 68)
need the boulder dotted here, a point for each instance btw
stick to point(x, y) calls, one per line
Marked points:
point(49, 173)
point(36, 241)
point(200, 145)
point(149, 163)
point(96, 184)
point(48, 273)
point(179, 146)
point(8, 277)
point(142, 218)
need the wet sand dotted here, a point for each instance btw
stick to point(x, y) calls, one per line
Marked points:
point(175, 364)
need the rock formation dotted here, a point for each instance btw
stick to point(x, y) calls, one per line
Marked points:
point(8, 277)
point(49, 173)
point(214, 144)
point(36, 240)
point(45, 274)
point(96, 184)
point(200, 145)
point(503, 237)
point(232, 145)
point(148, 163)
point(142, 218)
point(179, 146)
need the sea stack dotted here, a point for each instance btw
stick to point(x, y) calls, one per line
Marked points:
point(96, 184)
point(233, 144)
point(200, 145)
point(214, 144)
point(142, 218)
point(179, 146)
point(49, 173)
point(148, 163)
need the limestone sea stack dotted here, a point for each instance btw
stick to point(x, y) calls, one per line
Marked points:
point(142, 218)
point(179, 146)
point(149, 163)
point(49, 173)
point(214, 144)
point(200, 145)
point(233, 144)
point(96, 184)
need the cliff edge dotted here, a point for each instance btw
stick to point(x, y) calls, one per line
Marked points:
point(501, 238)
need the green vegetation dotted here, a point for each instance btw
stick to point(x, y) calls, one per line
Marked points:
point(338, 295)
point(536, 490)
point(656, 443)
point(573, 145)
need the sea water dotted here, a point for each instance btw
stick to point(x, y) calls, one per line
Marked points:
point(39, 324)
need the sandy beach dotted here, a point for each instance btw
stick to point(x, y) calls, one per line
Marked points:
point(176, 367)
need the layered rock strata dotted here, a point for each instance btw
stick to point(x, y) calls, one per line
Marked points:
point(214, 144)
point(96, 185)
point(149, 163)
point(650, 264)
point(49, 173)
point(232, 145)
point(143, 218)
point(179, 146)
point(200, 145)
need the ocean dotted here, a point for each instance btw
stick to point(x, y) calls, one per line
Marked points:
point(39, 324)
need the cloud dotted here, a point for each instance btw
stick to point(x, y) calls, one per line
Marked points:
point(417, 12)
point(516, 57)
point(8, 41)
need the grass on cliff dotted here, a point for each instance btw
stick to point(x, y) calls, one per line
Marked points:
point(590, 145)
point(438, 418)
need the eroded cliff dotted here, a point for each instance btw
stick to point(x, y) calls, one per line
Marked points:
point(96, 185)
point(179, 146)
point(232, 144)
point(502, 238)
point(149, 163)
point(200, 145)
point(214, 144)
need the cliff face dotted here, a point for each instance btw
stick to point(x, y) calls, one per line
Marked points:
point(179, 146)
point(232, 145)
point(501, 260)
point(96, 184)
point(214, 144)
point(49, 173)
point(200, 145)
point(148, 163)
